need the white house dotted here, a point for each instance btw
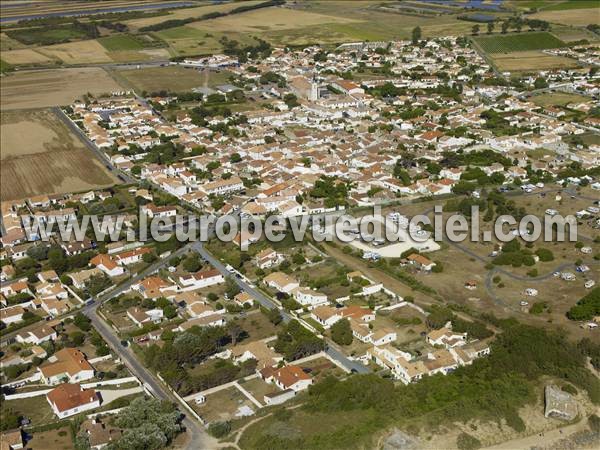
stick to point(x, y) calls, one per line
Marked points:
point(69, 399)
point(201, 279)
point(68, 364)
point(308, 297)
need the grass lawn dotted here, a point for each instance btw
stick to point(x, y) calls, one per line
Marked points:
point(518, 42)
point(59, 439)
point(36, 409)
point(258, 388)
point(257, 325)
point(222, 405)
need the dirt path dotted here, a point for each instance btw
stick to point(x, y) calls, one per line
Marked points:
point(546, 439)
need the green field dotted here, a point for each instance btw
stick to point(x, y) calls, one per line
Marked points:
point(47, 35)
point(120, 42)
point(572, 4)
point(518, 42)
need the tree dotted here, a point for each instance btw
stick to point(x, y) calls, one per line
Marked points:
point(540, 83)
point(475, 29)
point(416, 35)
point(149, 258)
point(169, 311)
point(82, 322)
point(341, 332)
point(219, 429)
point(505, 26)
point(231, 287)
point(235, 158)
point(192, 263)
point(490, 27)
point(77, 338)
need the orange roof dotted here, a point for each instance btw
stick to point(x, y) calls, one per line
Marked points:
point(68, 396)
point(419, 259)
point(134, 252)
point(68, 360)
point(289, 375)
point(105, 260)
point(355, 311)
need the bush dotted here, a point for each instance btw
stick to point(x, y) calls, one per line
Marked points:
point(465, 441)
point(219, 429)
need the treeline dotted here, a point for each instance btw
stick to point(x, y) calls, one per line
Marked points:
point(213, 15)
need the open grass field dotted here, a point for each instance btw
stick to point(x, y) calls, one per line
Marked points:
point(531, 61)
point(325, 22)
point(83, 52)
point(577, 17)
point(270, 19)
point(208, 7)
point(7, 43)
point(40, 155)
point(170, 78)
point(558, 99)
point(188, 40)
point(25, 56)
point(120, 42)
point(56, 7)
point(518, 42)
point(43, 88)
point(572, 34)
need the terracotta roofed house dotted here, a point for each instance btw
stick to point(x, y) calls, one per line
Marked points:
point(68, 364)
point(70, 399)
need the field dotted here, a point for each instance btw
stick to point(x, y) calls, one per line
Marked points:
point(325, 22)
point(120, 42)
point(59, 439)
point(25, 8)
point(184, 13)
point(531, 61)
point(41, 156)
point(518, 42)
point(558, 99)
point(171, 78)
point(83, 52)
point(577, 17)
point(43, 88)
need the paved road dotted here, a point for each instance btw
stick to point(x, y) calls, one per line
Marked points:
point(270, 304)
point(99, 153)
point(199, 439)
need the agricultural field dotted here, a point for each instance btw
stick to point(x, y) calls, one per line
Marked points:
point(43, 88)
point(531, 61)
point(57, 7)
point(83, 52)
point(184, 13)
point(576, 17)
point(40, 155)
point(194, 40)
point(572, 34)
point(518, 42)
point(170, 78)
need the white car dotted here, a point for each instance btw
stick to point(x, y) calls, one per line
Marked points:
point(589, 284)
